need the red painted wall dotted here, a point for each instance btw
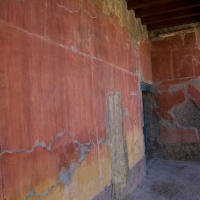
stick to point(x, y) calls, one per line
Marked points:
point(176, 71)
point(145, 62)
point(59, 60)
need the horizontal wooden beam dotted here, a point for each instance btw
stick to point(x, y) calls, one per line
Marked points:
point(172, 23)
point(171, 16)
point(138, 4)
point(192, 30)
point(166, 8)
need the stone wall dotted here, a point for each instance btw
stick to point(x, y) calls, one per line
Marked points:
point(175, 100)
point(59, 61)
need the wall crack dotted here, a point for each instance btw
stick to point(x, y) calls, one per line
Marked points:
point(38, 144)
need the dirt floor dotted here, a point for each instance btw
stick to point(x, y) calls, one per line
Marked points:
point(169, 180)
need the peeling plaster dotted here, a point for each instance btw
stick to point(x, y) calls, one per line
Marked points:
point(33, 194)
point(66, 176)
point(84, 148)
point(102, 140)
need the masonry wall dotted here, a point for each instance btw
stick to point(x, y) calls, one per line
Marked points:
point(175, 104)
point(62, 63)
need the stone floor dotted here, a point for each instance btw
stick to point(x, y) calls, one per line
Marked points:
point(169, 180)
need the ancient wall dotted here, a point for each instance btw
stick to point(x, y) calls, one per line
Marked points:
point(61, 63)
point(175, 102)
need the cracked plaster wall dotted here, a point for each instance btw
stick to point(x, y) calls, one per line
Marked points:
point(59, 60)
point(175, 104)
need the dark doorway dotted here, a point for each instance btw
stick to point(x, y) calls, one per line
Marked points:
point(145, 88)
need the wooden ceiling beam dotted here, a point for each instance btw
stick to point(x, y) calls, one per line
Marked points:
point(172, 23)
point(171, 16)
point(138, 4)
point(166, 8)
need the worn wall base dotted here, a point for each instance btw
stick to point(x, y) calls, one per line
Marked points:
point(134, 177)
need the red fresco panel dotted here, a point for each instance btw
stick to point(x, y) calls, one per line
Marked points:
point(71, 6)
point(91, 35)
point(88, 96)
point(196, 64)
point(176, 136)
point(196, 52)
point(123, 51)
point(3, 10)
point(182, 63)
point(166, 101)
point(164, 86)
point(18, 13)
point(1, 184)
point(48, 98)
point(47, 88)
point(70, 29)
point(99, 91)
point(195, 94)
point(161, 66)
point(175, 42)
point(75, 97)
point(39, 16)
point(112, 48)
point(165, 115)
point(17, 102)
point(145, 61)
point(167, 44)
point(133, 59)
point(16, 166)
point(189, 40)
point(54, 24)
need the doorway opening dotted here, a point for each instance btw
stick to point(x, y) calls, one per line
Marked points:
point(145, 90)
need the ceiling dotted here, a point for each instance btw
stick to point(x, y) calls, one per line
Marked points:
point(157, 14)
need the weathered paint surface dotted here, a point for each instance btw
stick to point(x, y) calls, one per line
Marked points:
point(59, 60)
point(135, 146)
point(176, 64)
